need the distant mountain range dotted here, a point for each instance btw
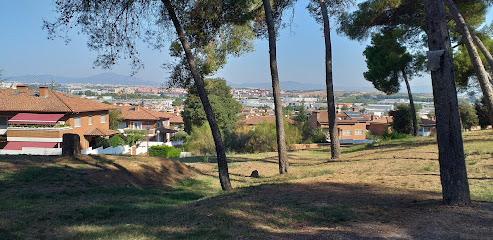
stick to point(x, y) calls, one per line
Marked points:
point(104, 78)
point(117, 79)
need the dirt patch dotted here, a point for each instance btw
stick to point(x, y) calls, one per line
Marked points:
point(62, 173)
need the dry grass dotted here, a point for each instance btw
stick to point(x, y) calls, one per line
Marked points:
point(388, 190)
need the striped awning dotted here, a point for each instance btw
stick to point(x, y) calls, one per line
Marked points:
point(35, 118)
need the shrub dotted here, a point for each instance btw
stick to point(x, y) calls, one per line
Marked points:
point(133, 138)
point(102, 142)
point(182, 135)
point(386, 136)
point(200, 140)
point(116, 140)
point(164, 152)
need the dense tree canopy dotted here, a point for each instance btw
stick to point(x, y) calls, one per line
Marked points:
point(224, 106)
point(468, 115)
point(402, 119)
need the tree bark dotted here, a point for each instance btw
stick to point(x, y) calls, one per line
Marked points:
point(482, 48)
point(335, 148)
point(281, 143)
point(453, 174)
point(411, 104)
point(199, 83)
point(481, 73)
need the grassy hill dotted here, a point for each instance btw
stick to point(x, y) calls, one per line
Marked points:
point(385, 190)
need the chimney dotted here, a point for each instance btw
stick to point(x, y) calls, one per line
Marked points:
point(43, 91)
point(136, 107)
point(22, 86)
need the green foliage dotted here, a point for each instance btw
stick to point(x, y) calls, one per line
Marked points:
point(178, 136)
point(402, 119)
point(310, 135)
point(178, 102)
point(89, 93)
point(302, 115)
point(386, 136)
point(224, 106)
point(117, 140)
point(115, 118)
point(134, 138)
point(106, 102)
point(468, 115)
point(386, 60)
point(102, 142)
point(200, 140)
point(262, 137)
point(482, 112)
point(164, 152)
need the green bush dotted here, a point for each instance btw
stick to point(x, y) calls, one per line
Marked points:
point(182, 135)
point(116, 140)
point(200, 140)
point(386, 136)
point(133, 138)
point(102, 142)
point(164, 152)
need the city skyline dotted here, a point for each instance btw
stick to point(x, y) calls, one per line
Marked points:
point(27, 51)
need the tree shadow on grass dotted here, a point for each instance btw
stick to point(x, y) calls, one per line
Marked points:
point(81, 209)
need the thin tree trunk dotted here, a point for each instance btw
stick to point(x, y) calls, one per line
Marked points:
point(335, 148)
point(199, 83)
point(281, 143)
point(481, 73)
point(482, 47)
point(453, 175)
point(411, 104)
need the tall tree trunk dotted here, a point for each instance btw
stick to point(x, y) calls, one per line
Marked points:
point(281, 143)
point(411, 104)
point(482, 47)
point(199, 83)
point(481, 74)
point(453, 175)
point(335, 148)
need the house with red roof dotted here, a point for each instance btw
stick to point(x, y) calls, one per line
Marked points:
point(40, 117)
point(351, 125)
point(154, 124)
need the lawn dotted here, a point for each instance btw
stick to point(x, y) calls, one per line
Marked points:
point(384, 190)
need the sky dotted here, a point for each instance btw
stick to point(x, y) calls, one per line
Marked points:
point(25, 50)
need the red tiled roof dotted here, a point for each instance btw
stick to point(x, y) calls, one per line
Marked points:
point(141, 113)
point(20, 145)
point(100, 132)
point(35, 118)
point(28, 100)
point(176, 120)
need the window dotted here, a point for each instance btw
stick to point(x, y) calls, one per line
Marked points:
point(76, 122)
point(358, 132)
point(137, 125)
point(122, 125)
point(103, 118)
point(4, 121)
point(89, 120)
point(346, 132)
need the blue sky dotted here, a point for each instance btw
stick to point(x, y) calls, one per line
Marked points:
point(25, 50)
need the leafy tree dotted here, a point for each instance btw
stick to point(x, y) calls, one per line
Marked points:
point(115, 26)
point(200, 140)
point(482, 112)
point(388, 61)
point(302, 114)
point(468, 115)
point(224, 106)
point(402, 119)
point(89, 93)
point(178, 102)
point(116, 140)
point(115, 118)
